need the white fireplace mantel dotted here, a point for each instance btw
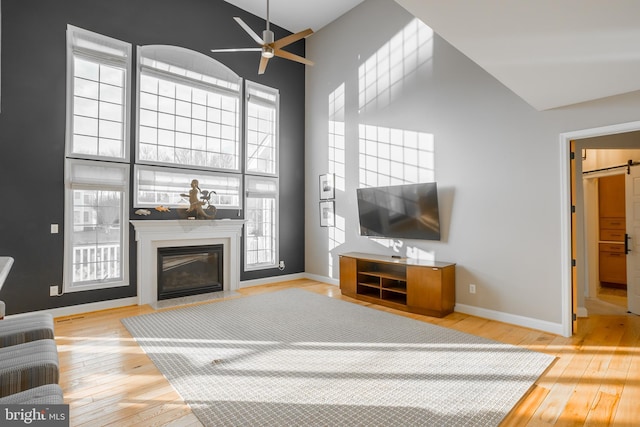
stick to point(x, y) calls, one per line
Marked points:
point(154, 234)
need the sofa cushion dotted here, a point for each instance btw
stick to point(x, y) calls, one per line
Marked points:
point(28, 365)
point(25, 328)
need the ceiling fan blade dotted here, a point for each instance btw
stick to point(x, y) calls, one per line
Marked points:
point(249, 31)
point(241, 49)
point(285, 41)
point(263, 65)
point(291, 56)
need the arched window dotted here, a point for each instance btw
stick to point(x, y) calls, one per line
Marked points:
point(189, 118)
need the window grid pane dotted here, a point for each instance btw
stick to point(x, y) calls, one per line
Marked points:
point(261, 231)
point(159, 186)
point(98, 109)
point(97, 236)
point(183, 125)
point(261, 227)
point(261, 138)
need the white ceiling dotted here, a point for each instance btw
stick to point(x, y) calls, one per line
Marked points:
point(298, 15)
point(550, 53)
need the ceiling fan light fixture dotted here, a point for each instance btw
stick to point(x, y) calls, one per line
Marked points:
point(267, 52)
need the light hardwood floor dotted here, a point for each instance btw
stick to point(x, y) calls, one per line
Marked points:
point(595, 380)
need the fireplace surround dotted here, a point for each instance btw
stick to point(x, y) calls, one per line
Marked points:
point(154, 234)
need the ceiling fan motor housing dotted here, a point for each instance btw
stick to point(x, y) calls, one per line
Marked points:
point(267, 37)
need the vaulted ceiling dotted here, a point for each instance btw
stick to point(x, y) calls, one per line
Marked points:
point(298, 15)
point(550, 53)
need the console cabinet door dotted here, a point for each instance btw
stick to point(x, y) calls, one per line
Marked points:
point(424, 290)
point(348, 275)
point(431, 290)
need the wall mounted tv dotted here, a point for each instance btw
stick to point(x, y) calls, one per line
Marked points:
point(407, 211)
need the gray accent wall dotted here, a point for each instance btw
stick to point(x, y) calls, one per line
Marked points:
point(497, 164)
point(32, 127)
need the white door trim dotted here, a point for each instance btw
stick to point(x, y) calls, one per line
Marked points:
point(565, 211)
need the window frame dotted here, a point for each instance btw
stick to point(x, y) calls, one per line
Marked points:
point(101, 57)
point(276, 224)
point(254, 174)
point(68, 283)
point(193, 174)
point(194, 83)
point(111, 52)
point(251, 86)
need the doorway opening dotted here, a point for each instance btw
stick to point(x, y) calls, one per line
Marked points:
point(574, 274)
point(605, 227)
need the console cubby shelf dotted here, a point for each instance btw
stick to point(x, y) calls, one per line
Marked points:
point(410, 285)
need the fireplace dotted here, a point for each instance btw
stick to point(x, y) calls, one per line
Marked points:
point(152, 235)
point(189, 270)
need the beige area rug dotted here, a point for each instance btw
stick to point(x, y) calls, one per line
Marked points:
point(294, 358)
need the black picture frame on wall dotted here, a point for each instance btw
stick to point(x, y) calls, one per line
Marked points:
point(327, 190)
point(327, 214)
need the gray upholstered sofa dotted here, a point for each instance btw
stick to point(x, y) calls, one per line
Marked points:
point(29, 366)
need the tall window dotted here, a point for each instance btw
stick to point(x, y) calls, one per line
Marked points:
point(261, 214)
point(97, 226)
point(96, 168)
point(97, 69)
point(262, 124)
point(261, 227)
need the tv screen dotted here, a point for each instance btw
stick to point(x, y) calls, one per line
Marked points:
point(407, 211)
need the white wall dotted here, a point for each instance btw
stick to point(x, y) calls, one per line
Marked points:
point(497, 162)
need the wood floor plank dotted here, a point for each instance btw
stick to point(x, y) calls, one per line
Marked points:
point(603, 410)
point(627, 410)
point(522, 413)
point(595, 380)
point(598, 344)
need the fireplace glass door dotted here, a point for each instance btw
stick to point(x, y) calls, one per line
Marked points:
point(189, 270)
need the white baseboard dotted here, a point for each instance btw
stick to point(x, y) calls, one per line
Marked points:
point(273, 279)
point(514, 319)
point(86, 308)
point(276, 279)
point(582, 312)
point(323, 279)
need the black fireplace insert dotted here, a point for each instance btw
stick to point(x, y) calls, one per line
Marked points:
point(189, 270)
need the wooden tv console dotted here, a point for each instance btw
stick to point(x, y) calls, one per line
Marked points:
point(423, 287)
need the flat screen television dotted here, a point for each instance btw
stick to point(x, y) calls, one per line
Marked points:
point(407, 211)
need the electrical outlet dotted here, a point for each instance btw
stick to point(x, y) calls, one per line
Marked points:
point(472, 288)
point(281, 265)
point(54, 228)
point(53, 290)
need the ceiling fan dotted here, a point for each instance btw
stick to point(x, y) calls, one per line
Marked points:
point(268, 46)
